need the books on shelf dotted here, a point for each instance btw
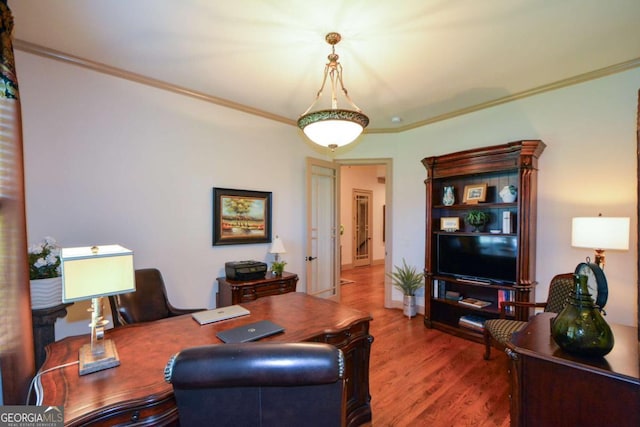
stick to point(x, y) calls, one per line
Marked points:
point(439, 289)
point(474, 302)
point(472, 322)
point(506, 295)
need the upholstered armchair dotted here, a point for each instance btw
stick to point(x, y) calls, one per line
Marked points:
point(259, 384)
point(499, 331)
point(149, 302)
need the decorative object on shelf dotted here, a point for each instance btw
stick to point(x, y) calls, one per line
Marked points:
point(44, 274)
point(450, 223)
point(241, 216)
point(580, 328)
point(334, 127)
point(600, 233)
point(477, 219)
point(408, 280)
point(94, 272)
point(448, 198)
point(508, 193)
point(474, 194)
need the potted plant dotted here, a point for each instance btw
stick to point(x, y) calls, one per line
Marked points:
point(44, 274)
point(477, 219)
point(278, 267)
point(408, 280)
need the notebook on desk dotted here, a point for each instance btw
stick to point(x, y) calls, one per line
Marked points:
point(251, 332)
point(218, 314)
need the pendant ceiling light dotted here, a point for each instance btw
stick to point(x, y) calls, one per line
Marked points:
point(335, 127)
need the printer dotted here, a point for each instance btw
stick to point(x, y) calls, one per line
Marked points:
point(245, 270)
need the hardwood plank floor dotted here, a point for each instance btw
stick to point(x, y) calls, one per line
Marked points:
point(421, 376)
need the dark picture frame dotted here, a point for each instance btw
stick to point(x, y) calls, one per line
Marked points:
point(241, 216)
point(474, 193)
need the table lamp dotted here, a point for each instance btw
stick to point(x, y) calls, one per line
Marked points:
point(600, 233)
point(277, 248)
point(94, 272)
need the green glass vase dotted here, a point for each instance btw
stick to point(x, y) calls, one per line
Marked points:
point(580, 328)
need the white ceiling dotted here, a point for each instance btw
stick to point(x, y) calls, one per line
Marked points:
point(421, 60)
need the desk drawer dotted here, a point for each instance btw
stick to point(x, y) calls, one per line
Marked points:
point(267, 289)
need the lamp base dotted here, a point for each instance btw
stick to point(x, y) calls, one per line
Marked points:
point(90, 362)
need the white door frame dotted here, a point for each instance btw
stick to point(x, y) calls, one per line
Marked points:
point(388, 256)
point(356, 193)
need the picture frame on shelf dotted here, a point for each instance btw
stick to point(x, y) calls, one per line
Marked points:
point(241, 216)
point(474, 193)
point(450, 223)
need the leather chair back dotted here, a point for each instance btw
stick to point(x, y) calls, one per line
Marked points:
point(149, 301)
point(259, 384)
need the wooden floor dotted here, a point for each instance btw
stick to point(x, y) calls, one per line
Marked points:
point(424, 377)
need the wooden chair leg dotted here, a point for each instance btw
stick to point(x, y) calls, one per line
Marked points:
point(487, 345)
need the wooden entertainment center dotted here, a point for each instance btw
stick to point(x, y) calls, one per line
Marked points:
point(514, 163)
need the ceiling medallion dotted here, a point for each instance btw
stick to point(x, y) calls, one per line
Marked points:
point(335, 127)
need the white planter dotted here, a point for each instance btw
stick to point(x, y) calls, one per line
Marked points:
point(409, 305)
point(46, 293)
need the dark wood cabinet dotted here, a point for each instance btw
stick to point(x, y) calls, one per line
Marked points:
point(514, 163)
point(236, 292)
point(553, 388)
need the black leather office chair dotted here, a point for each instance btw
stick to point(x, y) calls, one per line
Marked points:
point(259, 384)
point(149, 301)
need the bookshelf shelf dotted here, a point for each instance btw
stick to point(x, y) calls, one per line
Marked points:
point(497, 166)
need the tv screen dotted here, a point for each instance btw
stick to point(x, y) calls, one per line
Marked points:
point(481, 257)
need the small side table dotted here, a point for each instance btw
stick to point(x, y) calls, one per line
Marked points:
point(44, 333)
point(232, 292)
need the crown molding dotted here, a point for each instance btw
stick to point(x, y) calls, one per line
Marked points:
point(123, 74)
point(139, 78)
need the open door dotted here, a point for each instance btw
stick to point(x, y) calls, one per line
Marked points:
point(323, 265)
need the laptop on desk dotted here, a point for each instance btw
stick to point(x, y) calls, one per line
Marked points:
point(219, 314)
point(251, 332)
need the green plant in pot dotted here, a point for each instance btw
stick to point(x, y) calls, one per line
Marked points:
point(278, 267)
point(409, 281)
point(477, 219)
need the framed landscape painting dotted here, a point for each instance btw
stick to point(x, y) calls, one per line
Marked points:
point(241, 216)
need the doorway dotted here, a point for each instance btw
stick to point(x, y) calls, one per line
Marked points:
point(365, 192)
point(362, 227)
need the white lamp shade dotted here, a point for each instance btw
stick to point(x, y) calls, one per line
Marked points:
point(600, 233)
point(277, 247)
point(89, 274)
point(333, 132)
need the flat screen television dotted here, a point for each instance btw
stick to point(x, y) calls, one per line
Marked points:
point(478, 257)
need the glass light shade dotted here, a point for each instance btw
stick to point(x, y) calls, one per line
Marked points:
point(89, 273)
point(277, 247)
point(600, 233)
point(333, 128)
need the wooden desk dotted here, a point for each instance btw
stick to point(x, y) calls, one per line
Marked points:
point(238, 292)
point(136, 391)
point(553, 388)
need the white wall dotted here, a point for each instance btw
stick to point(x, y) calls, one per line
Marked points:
point(111, 161)
point(588, 167)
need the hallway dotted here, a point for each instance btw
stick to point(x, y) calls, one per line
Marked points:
point(424, 377)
